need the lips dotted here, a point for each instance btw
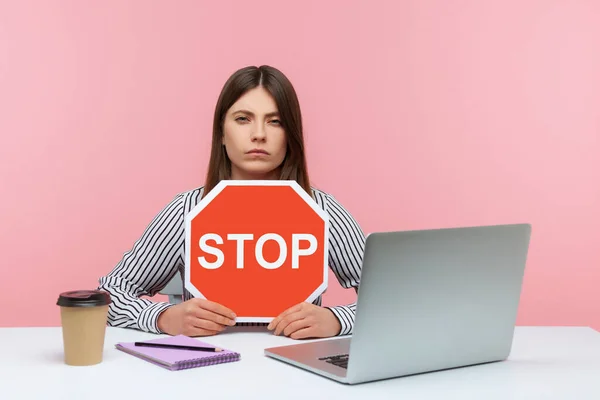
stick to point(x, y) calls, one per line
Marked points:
point(257, 151)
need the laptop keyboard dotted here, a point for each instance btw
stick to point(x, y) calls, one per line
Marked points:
point(341, 360)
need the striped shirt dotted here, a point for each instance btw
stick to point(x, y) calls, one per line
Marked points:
point(159, 254)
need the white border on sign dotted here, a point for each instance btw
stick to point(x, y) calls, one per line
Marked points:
point(214, 193)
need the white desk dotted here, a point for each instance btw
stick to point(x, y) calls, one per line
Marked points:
point(546, 363)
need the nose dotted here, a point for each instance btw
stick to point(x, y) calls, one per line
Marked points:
point(258, 133)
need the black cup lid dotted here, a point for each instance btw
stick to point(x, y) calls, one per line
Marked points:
point(83, 298)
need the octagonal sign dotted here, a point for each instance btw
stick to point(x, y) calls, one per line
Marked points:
point(257, 247)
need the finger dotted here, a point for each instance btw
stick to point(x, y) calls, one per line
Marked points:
point(285, 321)
point(216, 308)
point(194, 322)
point(290, 310)
point(304, 333)
point(202, 313)
point(192, 331)
point(208, 325)
point(296, 325)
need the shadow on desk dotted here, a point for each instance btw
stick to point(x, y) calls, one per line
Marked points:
point(53, 357)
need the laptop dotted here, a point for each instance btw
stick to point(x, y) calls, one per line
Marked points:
point(428, 300)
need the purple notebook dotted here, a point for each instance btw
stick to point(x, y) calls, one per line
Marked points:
point(176, 359)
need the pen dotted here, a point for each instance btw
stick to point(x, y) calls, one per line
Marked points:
point(178, 347)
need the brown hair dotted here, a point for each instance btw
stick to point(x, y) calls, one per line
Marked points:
point(278, 85)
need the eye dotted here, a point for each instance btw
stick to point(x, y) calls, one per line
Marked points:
point(241, 119)
point(276, 122)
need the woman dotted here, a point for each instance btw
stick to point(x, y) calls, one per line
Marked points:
point(257, 109)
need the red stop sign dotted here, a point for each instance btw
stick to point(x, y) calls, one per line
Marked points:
point(257, 247)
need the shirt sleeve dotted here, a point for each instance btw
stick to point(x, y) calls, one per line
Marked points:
point(145, 269)
point(346, 251)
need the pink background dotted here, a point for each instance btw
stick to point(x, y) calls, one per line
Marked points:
point(438, 114)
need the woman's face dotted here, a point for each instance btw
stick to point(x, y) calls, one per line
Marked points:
point(253, 136)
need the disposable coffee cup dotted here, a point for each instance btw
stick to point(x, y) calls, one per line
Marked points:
point(83, 317)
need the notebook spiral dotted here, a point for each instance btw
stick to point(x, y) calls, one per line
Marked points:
point(206, 361)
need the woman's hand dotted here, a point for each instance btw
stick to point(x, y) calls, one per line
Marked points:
point(196, 317)
point(306, 320)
